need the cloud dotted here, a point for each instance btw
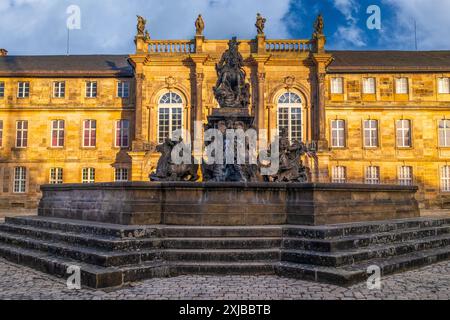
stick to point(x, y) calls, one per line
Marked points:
point(108, 26)
point(349, 35)
point(432, 20)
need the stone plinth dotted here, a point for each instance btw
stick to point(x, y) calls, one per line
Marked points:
point(227, 204)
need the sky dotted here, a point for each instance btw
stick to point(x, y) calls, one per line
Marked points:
point(29, 27)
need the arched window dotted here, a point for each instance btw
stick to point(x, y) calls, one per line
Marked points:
point(290, 115)
point(170, 115)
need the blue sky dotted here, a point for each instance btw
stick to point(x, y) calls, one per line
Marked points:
point(108, 26)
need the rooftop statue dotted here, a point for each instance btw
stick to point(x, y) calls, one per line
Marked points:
point(260, 23)
point(318, 25)
point(199, 25)
point(141, 25)
point(231, 91)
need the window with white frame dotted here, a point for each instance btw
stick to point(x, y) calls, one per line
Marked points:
point(372, 175)
point(121, 174)
point(89, 133)
point(338, 133)
point(403, 133)
point(59, 89)
point(56, 175)
point(1, 133)
point(290, 115)
point(123, 89)
point(170, 115)
point(57, 133)
point(444, 133)
point(88, 175)
point(122, 133)
point(401, 85)
point(23, 89)
point(445, 179)
point(444, 85)
point(21, 134)
point(369, 85)
point(339, 174)
point(370, 133)
point(20, 179)
point(405, 175)
point(337, 85)
point(91, 89)
point(2, 89)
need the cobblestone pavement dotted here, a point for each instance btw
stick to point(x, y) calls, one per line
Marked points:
point(432, 282)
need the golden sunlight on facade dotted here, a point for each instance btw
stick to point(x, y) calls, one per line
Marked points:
point(377, 117)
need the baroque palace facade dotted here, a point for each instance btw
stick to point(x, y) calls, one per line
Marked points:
point(377, 117)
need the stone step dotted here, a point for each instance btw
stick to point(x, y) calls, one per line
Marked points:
point(87, 255)
point(236, 255)
point(350, 275)
point(222, 232)
point(362, 241)
point(224, 268)
point(348, 257)
point(221, 243)
point(361, 228)
point(86, 227)
point(92, 276)
point(106, 243)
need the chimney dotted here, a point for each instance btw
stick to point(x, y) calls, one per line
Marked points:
point(3, 52)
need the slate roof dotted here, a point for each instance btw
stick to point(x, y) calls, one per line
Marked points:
point(395, 61)
point(77, 65)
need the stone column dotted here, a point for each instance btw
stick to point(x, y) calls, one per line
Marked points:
point(138, 136)
point(199, 96)
point(261, 109)
point(321, 110)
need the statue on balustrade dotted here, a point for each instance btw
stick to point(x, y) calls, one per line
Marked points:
point(141, 26)
point(319, 25)
point(166, 170)
point(231, 91)
point(260, 23)
point(199, 25)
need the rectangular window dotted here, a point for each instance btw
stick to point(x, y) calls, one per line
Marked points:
point(373, 175)
point(123, 89)
point(339, 174)
point(20, 180)
point(122, 133)
point(444, 133)
point(56, 175)
point(88, 175)
point(401, 85)
point(337, 85)
point(1, 133)
point(444, 85)
point(2, 89)
point(405, 176)
point(369, 85)
point(23, 90)
point(370, 133)
point(59, 89)
point(403, 133)
point(445, 178)
point(21, 134)
point(121, 174)
point(91, 89)
point(57, 133)
point(89, 133)
point(338, 133)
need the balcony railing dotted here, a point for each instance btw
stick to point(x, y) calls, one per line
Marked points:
point(288, 45)
point(171, 46)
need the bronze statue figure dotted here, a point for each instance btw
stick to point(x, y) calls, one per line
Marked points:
point(260, 23)
point(141, 26)
point(147, 36)
point(166, 170)
point(319, 25)
point(231, 91)
point(199, 25)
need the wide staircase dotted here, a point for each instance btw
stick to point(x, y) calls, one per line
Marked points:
point(112, 255)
